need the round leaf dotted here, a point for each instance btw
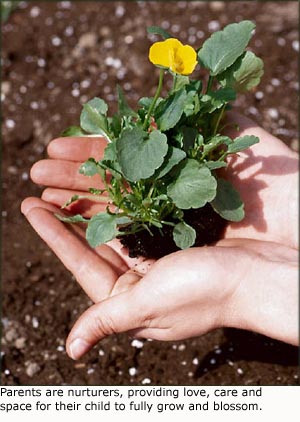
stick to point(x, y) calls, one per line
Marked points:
point(194, 186)
point(228, 202)
point(184, 235)
point(101, 229)
point(140, 154)
point(223, 47)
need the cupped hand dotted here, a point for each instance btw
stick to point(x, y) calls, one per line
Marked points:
point(266, 175)
point(184, 294)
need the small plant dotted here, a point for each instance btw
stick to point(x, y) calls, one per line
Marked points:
point(160, 166)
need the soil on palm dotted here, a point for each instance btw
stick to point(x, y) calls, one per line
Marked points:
point(209, 227)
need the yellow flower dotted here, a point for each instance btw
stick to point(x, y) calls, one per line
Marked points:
point(171, 53)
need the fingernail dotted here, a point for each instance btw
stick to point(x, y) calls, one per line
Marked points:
point(78, 348)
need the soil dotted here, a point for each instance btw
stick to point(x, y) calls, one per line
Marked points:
point(56, 56)
point(209, 227)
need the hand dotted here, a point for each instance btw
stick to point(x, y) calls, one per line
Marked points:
point(109, 276)
point(266, 175)
point(239, 283)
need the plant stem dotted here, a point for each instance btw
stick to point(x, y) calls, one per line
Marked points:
point(209, 83)
point(159, 87)
point(219, 119)
point(174, 81)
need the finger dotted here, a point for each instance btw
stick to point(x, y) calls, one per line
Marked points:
point(117, 314)
point(77, 148)
point(63, 174)
point(93, 273)
point(104, 251)
point(87, 207)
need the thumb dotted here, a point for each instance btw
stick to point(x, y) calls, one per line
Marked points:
point(116, 314)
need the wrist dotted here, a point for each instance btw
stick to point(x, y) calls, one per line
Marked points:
point(266, 301)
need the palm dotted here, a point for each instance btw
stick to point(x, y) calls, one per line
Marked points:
point(260, 174)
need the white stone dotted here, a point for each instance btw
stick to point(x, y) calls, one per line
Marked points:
point(137, 344)
point(35, 12)
point(132, 371)
point(56, 41)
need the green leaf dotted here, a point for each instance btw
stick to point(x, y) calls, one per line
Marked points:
point(214, 165)
point(157, 30)
point(140, 154)
point(145, 102)
point(215, 142)
point(223, 47)
point(244, 74)
point(228, 202)
point(184, 235)
point(95, 191)
point(115, 124)
point(216, 99)
point(93, 117)
point(241, 143)
point(73, 131)
point(173, 157)
point(194, 186)
point(169, 111)
point(74, 219)
point(124, 109)
point(89, 168)
point(180, 81)
point(101, 229)
point(74, 198)
point(110, 152)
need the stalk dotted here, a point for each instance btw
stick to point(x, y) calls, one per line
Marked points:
point(158, 91)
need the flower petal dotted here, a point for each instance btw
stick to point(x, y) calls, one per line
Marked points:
point(172, 54)
point(188, 57)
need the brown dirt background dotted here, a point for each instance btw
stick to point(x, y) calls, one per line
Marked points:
point(56, 56)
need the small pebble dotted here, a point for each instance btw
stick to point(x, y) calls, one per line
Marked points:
point(11, 334)
point(35, 12)
point(12, 170)
point(120, 11)
point(137, 343)
point(25, 176)
point(259, 95)
point(273, 113)
point(87, 40)
point(10, 124)
point(69, 31)
point(35, 322)
point(32, 369)
point(281, 41)
point(181, 347)
point(240, 371)
point(132, 371)
point(146, 381)
point(195, 361)
point(217, 6)
point(20, 343)
point(213, 361)
point(275, 82)
point(56, 41)
point(295, 45)
point(213, 26)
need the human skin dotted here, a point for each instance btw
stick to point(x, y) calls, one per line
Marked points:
point(247, 280)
